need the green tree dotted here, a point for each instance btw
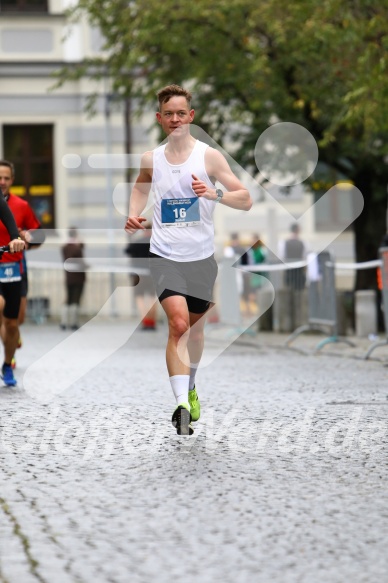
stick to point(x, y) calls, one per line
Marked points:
point(320, 63)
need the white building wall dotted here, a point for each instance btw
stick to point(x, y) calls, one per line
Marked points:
point(31, 48)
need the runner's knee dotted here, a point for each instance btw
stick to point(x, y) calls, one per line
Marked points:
point(10, 324)
point(178, 325)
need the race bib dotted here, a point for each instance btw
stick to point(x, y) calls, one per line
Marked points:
point(9, 272)
point(180, 212)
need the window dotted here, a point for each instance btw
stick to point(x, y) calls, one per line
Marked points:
point(30, 149)
point(23, 6)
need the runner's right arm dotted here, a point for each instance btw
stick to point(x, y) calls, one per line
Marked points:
point(139, 195)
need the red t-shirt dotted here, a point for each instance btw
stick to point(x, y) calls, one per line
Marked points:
point(25, 219)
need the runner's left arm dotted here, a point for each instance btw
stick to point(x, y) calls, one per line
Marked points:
point(236, 195)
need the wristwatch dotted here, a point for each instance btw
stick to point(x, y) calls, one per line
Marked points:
point(219, 194)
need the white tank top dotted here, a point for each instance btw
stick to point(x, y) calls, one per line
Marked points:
point(182, 228)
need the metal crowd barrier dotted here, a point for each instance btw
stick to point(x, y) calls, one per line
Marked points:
point(47, 292)
point(322, 304)
point(278, 276)
point(321, 293)
point(383, 254)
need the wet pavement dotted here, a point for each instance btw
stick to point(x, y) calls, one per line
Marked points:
point(283, 481)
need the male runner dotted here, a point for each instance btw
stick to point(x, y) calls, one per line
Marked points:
point(6, 217)
point(182, 175)
point(11, 268)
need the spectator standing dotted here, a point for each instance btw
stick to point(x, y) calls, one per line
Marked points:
point(294, 249)
point(74, 280)
point(257, 255)
point(236, 250)
point(144, 289)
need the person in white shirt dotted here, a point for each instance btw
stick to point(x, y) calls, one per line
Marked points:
point(294, 249)
point(182, 175)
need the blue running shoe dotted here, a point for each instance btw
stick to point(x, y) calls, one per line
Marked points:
point(7, 375)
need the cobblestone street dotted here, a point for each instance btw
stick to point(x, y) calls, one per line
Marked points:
point(284, 480)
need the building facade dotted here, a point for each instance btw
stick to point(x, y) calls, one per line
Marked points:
point(46, 132)
point(63, 157)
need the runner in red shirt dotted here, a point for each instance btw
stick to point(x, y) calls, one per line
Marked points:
point(11, 268)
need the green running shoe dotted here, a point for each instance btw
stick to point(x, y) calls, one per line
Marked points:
point(181, 420)
point(195, 407)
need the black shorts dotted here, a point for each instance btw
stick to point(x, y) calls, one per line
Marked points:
point(193, 280)
point(11, 293)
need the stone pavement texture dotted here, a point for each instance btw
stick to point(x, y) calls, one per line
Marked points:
point(284, 480)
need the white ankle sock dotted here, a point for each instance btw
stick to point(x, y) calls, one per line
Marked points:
point(180, 387)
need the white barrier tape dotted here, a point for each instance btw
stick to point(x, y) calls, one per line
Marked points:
point(250, 268)
point(75, 268)
point(295, 264)
point(272, 266)
point(365, 265)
